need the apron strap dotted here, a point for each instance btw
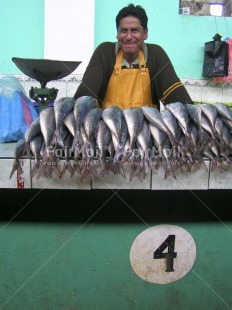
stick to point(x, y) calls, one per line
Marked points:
point(118, 64)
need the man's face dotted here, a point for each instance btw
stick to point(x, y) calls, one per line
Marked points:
point(131, 36)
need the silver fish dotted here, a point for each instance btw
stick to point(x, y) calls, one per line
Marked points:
point(91, 121)
point(210, 112)
point(103, 138)
point(144, 144)
point(35, 147)
point(219, 126)
point(159, 138)
point(19, 152)
point(166, 152)
point(206, 125)
point(61, 108)
point(82, 106)
point(121, 146)
point(67, 166)
point(195, 112)
point(228, 123)
point(48, 126)
point(224, 110)
point(112, 116)
point(171, 123)
point(33, 130)
point(70, 123)
point(154, 117)
point(134, 118)
point(179, 111)
point(225, 137)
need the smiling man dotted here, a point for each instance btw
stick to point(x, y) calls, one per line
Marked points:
point(130, 72)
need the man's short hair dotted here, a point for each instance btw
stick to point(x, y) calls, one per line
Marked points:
point(132, 10)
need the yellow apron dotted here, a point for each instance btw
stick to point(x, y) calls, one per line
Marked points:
point(129, 87)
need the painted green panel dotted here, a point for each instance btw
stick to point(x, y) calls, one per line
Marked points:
point(70, 249)
point(182, 36)
point(22, 32)
point(75, 267)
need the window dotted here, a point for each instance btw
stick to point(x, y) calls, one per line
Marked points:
point(206, 7)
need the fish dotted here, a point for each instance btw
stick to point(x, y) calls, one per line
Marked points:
point(48, 126)
point(171, 123)
point(207, 126)
point(210, 112)
point(20, 149)
point(35, 147)
point(94, 142)
point(159, 140)
point(144, 144)
point(114, 119)
point(103, 138)
point(67, 166)
point(228, 123)
point(195, 112)
point(81, 107)
point(154, 117)
point(112, 116)
point(224, 110)
point(134, 118)
point(179, 111)
point(123, 145)
point(62, 107)
point(166, 153)
point(70, 123)
point(91, 121)
point(33, 130)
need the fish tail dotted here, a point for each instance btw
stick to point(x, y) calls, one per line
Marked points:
point(16, 167)
point(169, 171)
point(214, 165)
point(58, 139)
point(35, 168)
point(55, 167)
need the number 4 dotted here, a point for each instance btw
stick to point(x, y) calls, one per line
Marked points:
point(170, 255)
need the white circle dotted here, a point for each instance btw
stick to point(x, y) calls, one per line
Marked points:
point(153, 242)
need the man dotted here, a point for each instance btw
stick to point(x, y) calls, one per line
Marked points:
point(130, 73)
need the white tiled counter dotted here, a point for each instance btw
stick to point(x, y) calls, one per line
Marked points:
point(6, 165)
point(66, 182)
point(194, 180)
point(200, 179)
point(221, 178)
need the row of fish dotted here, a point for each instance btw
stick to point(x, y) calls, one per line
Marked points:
point(79, 137)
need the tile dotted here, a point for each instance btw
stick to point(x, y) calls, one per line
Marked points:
point(211, 94)
point(72, 88)
point(66, 182)
point(220, 178)
point(227, 94)
point(7, 150)
point(194, 180)
point(111, 181)
point(195, 92)
point(16, 181)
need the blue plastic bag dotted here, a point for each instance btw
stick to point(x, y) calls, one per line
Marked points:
point(17, 111)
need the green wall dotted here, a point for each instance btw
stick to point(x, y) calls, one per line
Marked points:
point(182, 36)
point(69, 250)
point(22, 32)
